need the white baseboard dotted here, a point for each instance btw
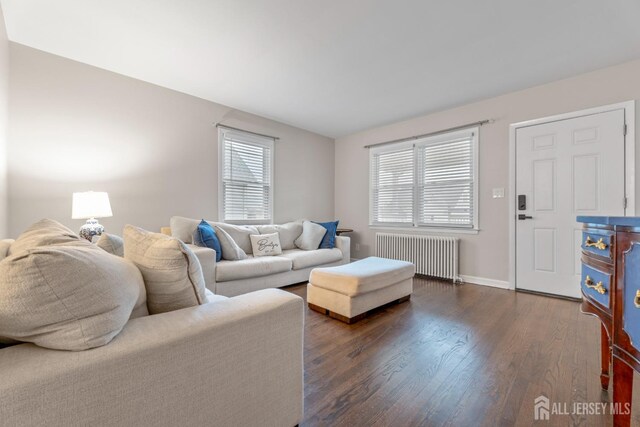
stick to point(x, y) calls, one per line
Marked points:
point(502, 284)
point(474, 280)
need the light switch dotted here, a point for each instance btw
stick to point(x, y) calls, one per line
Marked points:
point(498, 193)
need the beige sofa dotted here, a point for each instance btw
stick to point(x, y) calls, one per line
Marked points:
point(232, 278)
point(230, 362)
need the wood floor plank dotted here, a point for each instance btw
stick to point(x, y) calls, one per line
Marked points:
point(374, 371)
point(462, 355)
point(491, 386)
point(412, 383)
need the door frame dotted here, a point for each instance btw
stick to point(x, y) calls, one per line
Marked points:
point(629, 162)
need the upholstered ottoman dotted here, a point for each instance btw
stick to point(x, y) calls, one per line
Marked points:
point(347, 292)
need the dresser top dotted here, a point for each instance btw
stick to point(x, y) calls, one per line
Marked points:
point(628, 221)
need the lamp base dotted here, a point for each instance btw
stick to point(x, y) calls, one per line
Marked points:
point(90, 229)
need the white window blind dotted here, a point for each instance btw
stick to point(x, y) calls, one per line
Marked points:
point(445, 182)
point(430, 183)
point(246, 181)
point(392, 186)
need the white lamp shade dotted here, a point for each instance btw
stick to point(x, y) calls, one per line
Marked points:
point(90, 204)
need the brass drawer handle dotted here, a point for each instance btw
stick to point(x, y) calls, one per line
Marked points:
point(636, 300)
point(599, 288)
point(600, 244)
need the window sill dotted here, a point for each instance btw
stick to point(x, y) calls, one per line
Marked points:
point(248, 222)
point(427, 230)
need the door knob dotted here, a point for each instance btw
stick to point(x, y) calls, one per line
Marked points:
point(522, 217)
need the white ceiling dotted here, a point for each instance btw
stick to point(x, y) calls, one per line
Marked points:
point(335, 67)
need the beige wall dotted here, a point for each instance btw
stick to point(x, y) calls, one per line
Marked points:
point(486, 254)
point(76, 128)
point(4, 105)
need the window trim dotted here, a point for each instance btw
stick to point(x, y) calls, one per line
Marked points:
point(474, 229)
point(254, 139)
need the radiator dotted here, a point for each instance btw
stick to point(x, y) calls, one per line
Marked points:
point(432, 256)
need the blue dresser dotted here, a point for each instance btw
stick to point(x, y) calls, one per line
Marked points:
point(611, 291)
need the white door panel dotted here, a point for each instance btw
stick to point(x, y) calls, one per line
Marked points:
point(565, 168)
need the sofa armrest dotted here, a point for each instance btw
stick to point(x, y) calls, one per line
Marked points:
point(207, 258)
point(344, 244)
point(231, 362)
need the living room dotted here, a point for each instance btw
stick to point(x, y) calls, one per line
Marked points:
point(141, 101)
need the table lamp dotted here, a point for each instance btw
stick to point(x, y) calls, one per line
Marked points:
point(90, 205)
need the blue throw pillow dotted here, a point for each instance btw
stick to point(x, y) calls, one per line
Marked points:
point(206, 236)
point(329, 239)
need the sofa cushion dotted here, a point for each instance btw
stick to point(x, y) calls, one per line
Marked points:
point(5, 244)
point(114, 245)
point(111, 243)
point(183, 228)
point(140, 308)
point(230, 249)
point(66, 297)
point(303, 259)
point(43, 233)
point(266, 244)
point(288, 233)
point(205, 236)
point(239, 233)
point(311, 236)
point(251, 267)
point(172, 273)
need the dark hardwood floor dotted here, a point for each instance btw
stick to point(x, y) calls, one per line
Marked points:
point(463, 355)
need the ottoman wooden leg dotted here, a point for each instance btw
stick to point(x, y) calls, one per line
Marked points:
point(345, 319)
point(317, 308)
point(337, 316)
point(354, 319)
point(403, 299)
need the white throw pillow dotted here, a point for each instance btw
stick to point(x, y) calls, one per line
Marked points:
point(66, 297)
point(288, 233)
point(183, 229)
point(230, 249)
point(114, 245)
point(172, 273)
point(111, 243)
point(311, 236)
point(266, 244)
point(239, 233)
point(43, 233)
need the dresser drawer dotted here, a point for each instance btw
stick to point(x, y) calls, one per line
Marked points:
point(598, 242)
point(631, 296)
point(596, 284)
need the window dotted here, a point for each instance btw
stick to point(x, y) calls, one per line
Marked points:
point(246, 177)
point(428, 182)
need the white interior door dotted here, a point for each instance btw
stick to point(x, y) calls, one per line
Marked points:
point(565, 168)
